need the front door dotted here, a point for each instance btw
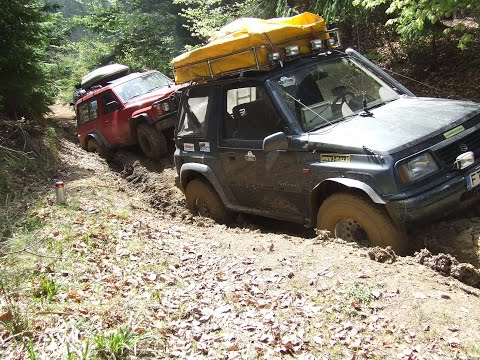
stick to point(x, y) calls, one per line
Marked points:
point(257, 179)
point(114, 132)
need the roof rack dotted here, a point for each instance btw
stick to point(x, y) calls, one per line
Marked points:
point(255, 44)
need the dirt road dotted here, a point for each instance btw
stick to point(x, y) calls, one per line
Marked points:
point(260, 289)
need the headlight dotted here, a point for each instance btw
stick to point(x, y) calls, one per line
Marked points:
point(166, 106)
point(417, 168)
point(161, 108)
point(157, 110)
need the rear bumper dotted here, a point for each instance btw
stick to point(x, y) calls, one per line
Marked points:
point(443, 200)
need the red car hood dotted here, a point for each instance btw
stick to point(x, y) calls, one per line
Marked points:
point(149, 98)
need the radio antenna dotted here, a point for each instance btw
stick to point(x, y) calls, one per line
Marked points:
point(365, 111)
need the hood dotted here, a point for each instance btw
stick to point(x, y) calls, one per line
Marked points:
point(151, 97)
point(402, 123)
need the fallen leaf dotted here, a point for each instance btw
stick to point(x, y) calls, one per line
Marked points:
point(357, 305)
point(233, 347)
point(6, 316)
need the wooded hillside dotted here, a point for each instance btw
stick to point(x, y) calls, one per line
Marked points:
point(48, 45)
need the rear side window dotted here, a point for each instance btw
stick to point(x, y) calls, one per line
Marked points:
point(87, 111)
point(194, 113)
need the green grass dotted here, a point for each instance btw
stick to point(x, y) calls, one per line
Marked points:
point(360, 293)
point(27, 159)
point(358, 296)
point(47, 288)
point(116, 344)
point(18, 323)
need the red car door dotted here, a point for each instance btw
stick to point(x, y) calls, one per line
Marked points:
point(109, 124)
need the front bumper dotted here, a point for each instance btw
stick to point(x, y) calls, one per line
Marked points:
point(433, 204)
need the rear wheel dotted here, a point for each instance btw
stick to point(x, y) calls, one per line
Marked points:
point(353, 218)
point(95, 147)
point(151, 141)
point(203, 200)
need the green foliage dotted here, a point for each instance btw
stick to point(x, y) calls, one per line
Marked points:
point(413, 19)
point(17, 322)
point(360, 293)
point(203, 17)
point(25, 89)
point(31, 351)
point(142, 34)
point(47, 288)
point(116, 344)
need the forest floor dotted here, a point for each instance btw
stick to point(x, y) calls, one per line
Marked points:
point(124, 271)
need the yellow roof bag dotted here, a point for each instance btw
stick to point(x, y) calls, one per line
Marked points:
point(245, 44)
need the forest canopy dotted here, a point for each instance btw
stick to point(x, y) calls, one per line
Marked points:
point(48, 45)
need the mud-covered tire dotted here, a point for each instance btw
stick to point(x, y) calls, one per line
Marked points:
point(95, 147)
point(203, 200)
point(151, 141)
point(353, 218)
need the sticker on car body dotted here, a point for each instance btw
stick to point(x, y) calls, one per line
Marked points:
point(204, 146)
point(188, 147)
point(334, 158)
point(454, 131)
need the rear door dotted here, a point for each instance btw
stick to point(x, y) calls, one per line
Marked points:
point(88, 118)
point(192, 133)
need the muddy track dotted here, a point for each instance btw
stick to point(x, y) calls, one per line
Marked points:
point(457, 235)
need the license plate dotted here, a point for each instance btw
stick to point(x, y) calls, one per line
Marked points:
point(473, 179)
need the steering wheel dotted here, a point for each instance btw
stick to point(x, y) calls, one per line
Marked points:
point(341, 92)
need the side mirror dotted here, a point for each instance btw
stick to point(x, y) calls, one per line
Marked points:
point(112, 106)
point(277, 141)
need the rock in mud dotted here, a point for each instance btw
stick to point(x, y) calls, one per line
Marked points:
point(447, 265)
point(382, 255)
point(467, 274)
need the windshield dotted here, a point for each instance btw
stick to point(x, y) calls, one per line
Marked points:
point(328, 92)
point(141, 85)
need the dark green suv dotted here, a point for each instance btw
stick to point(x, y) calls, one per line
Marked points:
point(329, 141)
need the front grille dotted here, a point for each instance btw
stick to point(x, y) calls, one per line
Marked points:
point(449, 153)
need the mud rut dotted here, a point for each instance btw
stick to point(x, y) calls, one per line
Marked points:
point(457, 235)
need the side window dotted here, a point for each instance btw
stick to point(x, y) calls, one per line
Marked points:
point(83, 113)
point(108, 98)
point(87, 111)
point(249, 114)
point(93, 105)
point(194, 114)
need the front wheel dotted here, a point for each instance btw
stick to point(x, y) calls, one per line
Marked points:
point(203, 200)
point(353, 218)
point(151, 141)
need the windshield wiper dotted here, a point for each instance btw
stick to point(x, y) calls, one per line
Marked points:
point(366, 108)
point(155, 88)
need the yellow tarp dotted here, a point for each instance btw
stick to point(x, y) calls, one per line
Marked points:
point(231, 48)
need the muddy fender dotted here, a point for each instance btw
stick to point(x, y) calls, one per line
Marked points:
point(356, 184)
point(334, 185)
point(98, 138)
point(189, 170)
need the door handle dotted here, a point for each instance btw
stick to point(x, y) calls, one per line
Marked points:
point(107, 121)
point(230, 155)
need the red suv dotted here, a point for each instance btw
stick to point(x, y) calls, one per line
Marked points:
point(114, 110)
